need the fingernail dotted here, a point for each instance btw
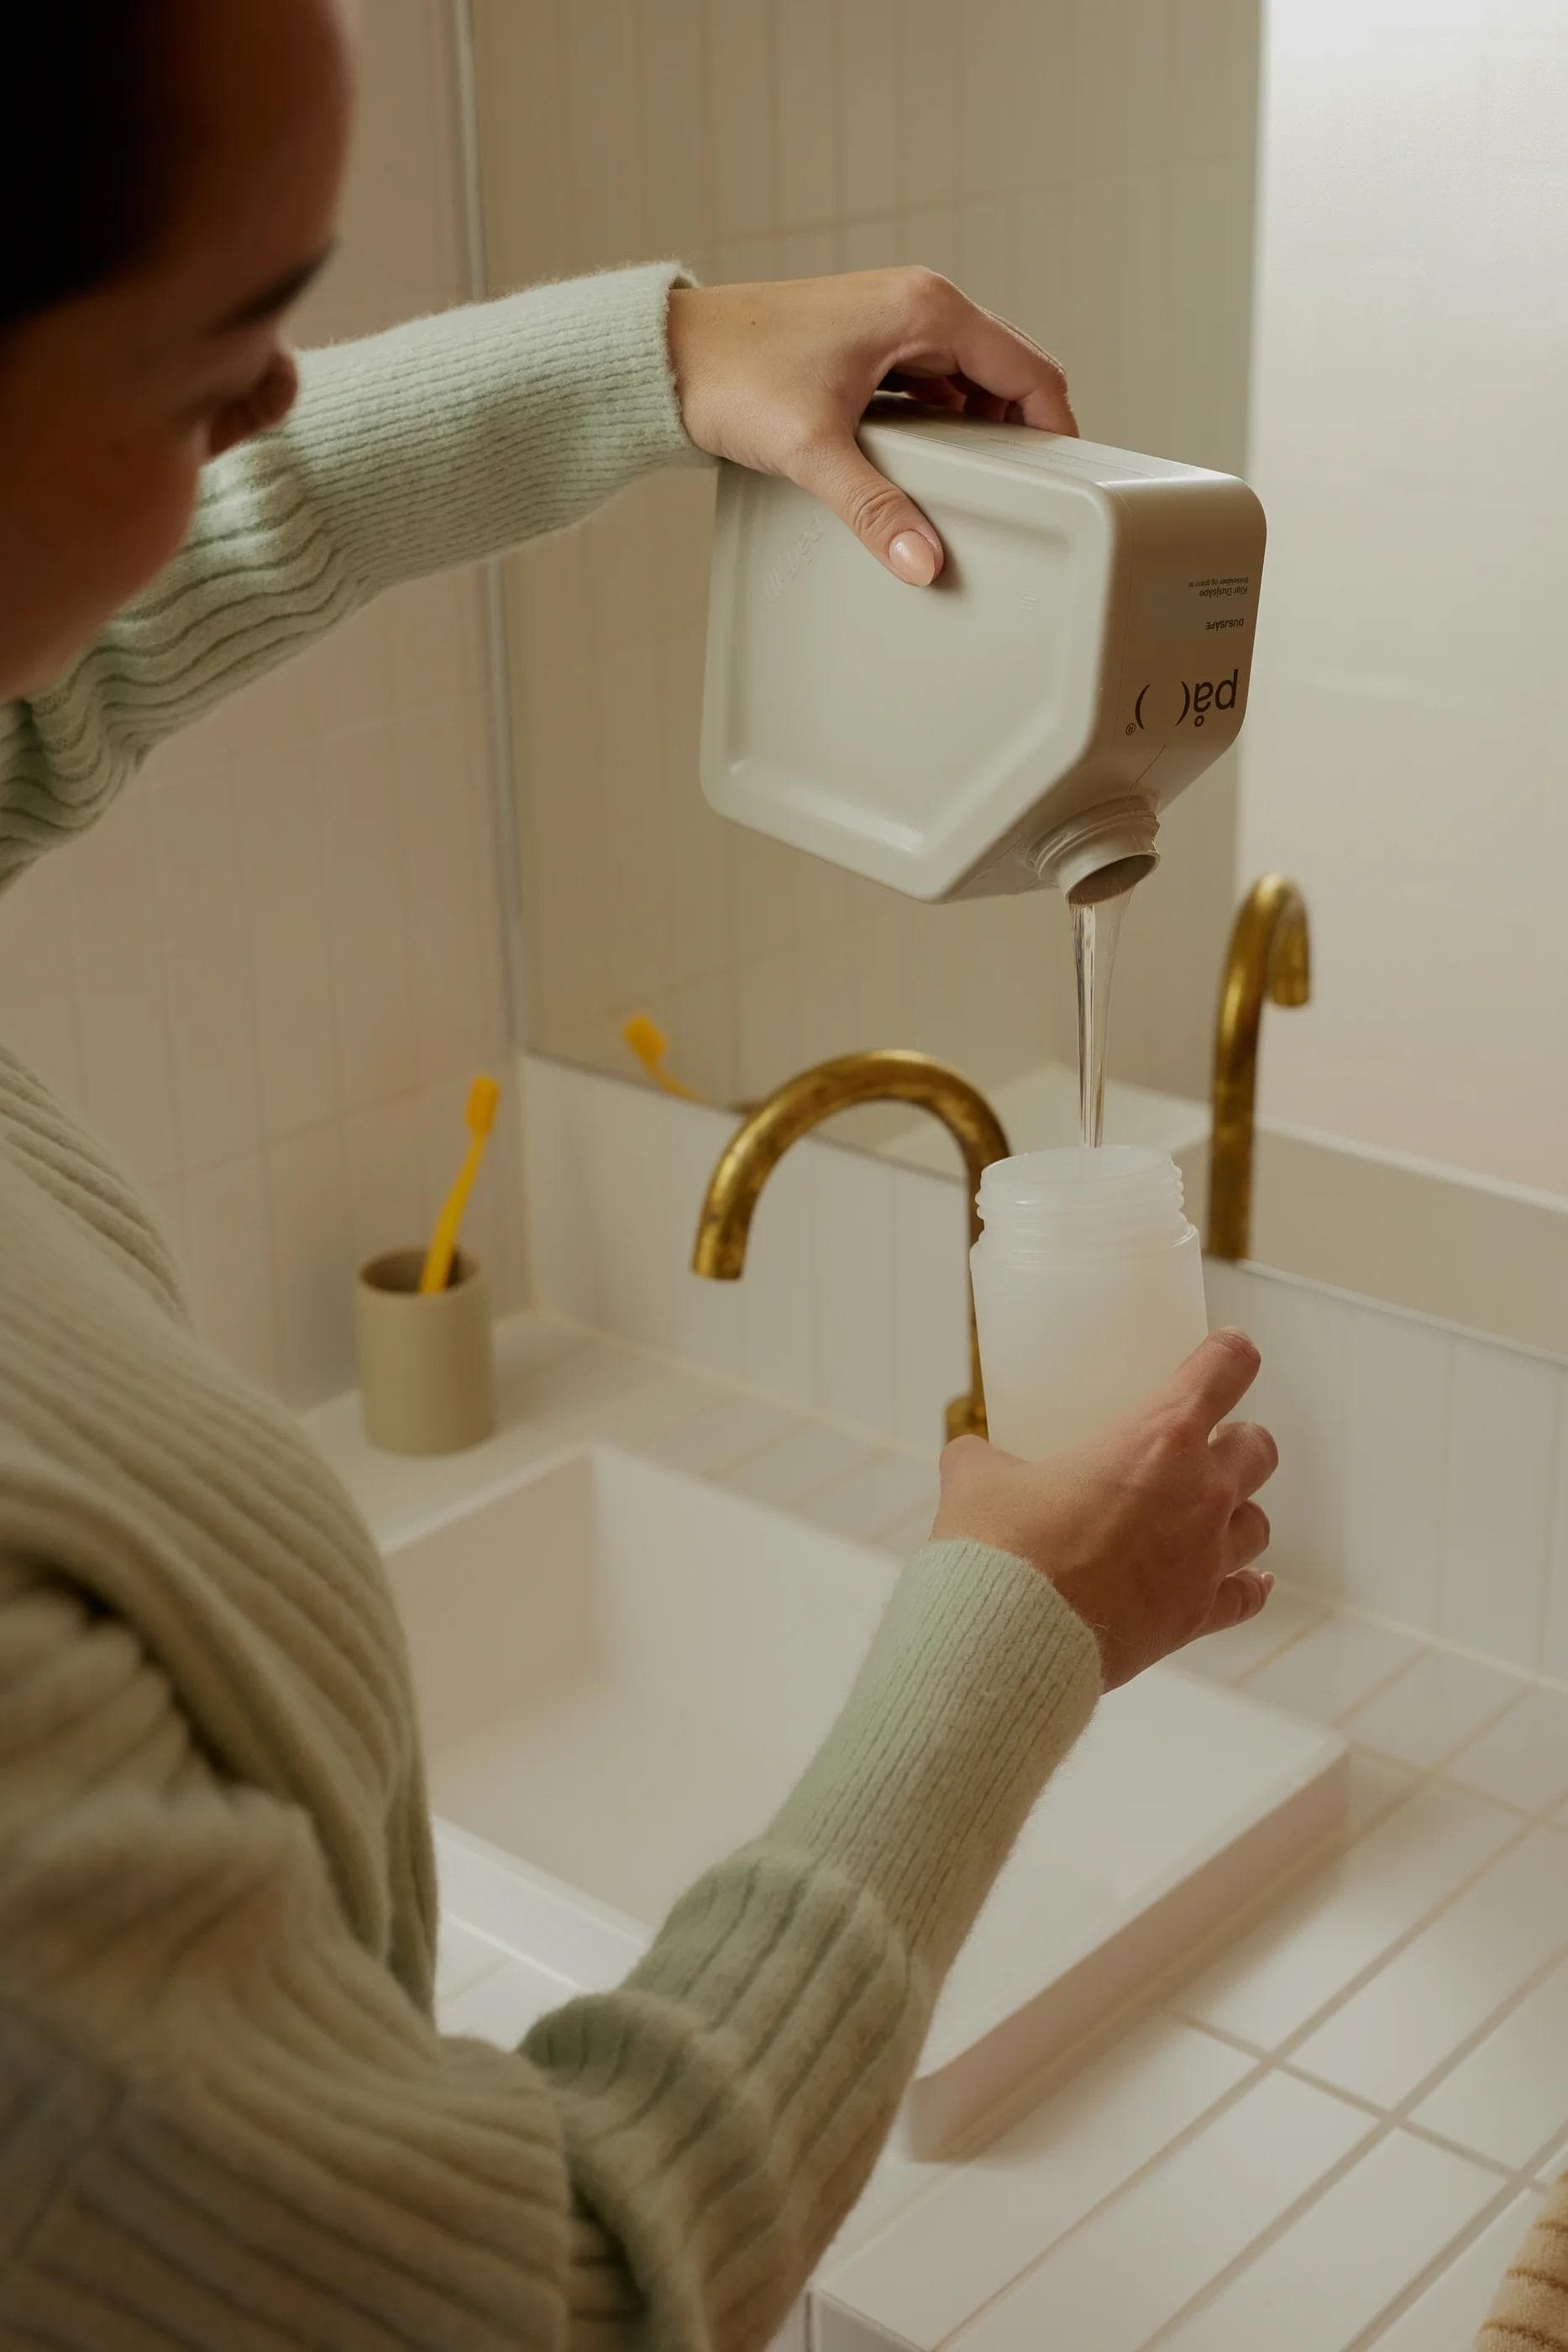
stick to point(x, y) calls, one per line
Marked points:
point(1268, 1576)
point(914, 558)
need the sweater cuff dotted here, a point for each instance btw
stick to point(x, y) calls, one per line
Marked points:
point(454, 438)
point(979, 1682)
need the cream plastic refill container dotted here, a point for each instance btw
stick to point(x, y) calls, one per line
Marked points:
point(1088, 1290)
point(1083, 656)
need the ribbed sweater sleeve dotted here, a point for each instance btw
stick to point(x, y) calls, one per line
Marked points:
point(222, 2124)
point(1530, 2312)
point(433, 445)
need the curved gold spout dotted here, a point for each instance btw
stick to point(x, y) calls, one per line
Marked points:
point(1271, 952)
point(883, 1074)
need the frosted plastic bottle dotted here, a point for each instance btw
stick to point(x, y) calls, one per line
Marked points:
point(1088, 1290)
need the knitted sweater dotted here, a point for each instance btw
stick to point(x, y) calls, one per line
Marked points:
point(226, 2117)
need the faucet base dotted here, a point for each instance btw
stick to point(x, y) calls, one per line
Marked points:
point(967, 1417)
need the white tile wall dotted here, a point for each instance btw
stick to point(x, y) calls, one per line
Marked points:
point(1036, 152)
point(1408, 701)
point(613, 1178)
point(1497, 1500)
point(267, 976)
point(1420, 1468)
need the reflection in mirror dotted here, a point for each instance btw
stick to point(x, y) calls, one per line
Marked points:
point(1091, 172)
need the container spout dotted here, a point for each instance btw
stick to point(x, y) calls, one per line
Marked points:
point(1099, 854)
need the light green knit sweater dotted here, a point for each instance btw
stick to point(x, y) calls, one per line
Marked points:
point(227, 2118)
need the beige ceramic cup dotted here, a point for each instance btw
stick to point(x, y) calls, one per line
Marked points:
point(427, 1371)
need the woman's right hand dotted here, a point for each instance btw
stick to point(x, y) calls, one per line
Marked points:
point(1151, 1531)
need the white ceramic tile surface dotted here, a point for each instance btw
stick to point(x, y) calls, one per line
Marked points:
point(833, 2329)
point(235, 965)
point(725, 1435)
point(800, 1464)
point(885, 1494)
point(1503, 2099)
point(1479, 1953)
point(1397, 1375)
point(778, 1298)
point(1375, 1784)
point(757, 139)
point(931, 1307)
point(1432, 1707)
point(1305, 1952)
point(463, 1957)
point(1140, 2258)
point(854, 1251)
point(1554, 1653)
point(1347, 2259)
point(1300, 1394)
point(922, 2277)
point(1334, 1668)
point(500, 2006)
point(1524, 1759)
point(1498, 1498)
point(1229, 1657)
point(1447, 2315)
point(1405, 187)
point(228, 1252)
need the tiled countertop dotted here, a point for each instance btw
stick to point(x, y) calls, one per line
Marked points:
point(1332, 2133)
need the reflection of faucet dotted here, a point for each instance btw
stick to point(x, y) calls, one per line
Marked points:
point(1269, 950)
point(802, 1103)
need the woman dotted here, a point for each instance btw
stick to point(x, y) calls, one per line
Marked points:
point(228, 2119)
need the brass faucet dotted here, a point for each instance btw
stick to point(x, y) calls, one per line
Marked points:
point(883, 1074)
point(1270, 951)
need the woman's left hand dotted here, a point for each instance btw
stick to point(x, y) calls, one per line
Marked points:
point(777, 376)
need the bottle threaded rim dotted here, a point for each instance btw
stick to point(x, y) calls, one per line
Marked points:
point(1079, 1200)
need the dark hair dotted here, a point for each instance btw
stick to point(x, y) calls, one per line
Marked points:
point(85, 153)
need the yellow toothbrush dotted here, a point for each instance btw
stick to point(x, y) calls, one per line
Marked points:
point(479, 1117)
point(650, 1044)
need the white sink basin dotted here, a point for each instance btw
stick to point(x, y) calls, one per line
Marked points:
point(620, 1672)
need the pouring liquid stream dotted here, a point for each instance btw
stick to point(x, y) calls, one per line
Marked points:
point(1096, 932)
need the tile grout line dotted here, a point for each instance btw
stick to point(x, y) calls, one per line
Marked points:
point(1410, 2294)
point(1264, 2238)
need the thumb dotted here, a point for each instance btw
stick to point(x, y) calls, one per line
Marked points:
point(881, 517)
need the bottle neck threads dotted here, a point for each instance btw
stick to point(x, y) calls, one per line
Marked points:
point(1123, 1199)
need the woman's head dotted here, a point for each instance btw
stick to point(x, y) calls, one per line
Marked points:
point(175, 168)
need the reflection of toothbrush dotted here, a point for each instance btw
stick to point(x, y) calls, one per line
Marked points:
point(479, 1117)
point(650, 1044)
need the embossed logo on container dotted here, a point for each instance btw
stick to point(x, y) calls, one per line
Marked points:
point(796, 556)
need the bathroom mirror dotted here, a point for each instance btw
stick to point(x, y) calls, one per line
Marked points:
point(1296, 241)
